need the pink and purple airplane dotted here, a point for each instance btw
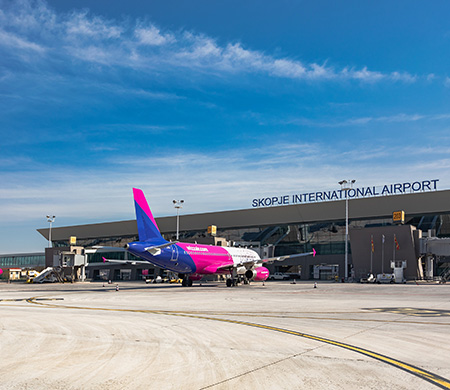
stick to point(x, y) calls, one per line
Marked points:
point(193, 261)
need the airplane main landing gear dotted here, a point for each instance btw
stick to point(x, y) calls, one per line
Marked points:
point(231, 282)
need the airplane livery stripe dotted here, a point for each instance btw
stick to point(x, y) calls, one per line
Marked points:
point(202, 256)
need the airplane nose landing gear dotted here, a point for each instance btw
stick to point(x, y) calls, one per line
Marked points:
point(186, 281)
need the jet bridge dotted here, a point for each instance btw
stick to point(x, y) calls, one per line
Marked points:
point(68, 262)
point(435, 254)
point(436, 246)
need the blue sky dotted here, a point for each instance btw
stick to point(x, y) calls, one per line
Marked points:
point(213, 102)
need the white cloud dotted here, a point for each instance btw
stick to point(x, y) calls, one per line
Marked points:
point(400, 118)
point(140, 128)
point(139, 92)
point(285, 68)
point(80, 24)
point(152, 36)
point(402, 76)
point(27, 16)
point(197, 51)
point(94, 39)
point(94, 54)
point(18, 43)
point(396, 118)
point(103, 148)
point(364, 75)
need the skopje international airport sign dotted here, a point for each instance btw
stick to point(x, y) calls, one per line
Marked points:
point(359, 192)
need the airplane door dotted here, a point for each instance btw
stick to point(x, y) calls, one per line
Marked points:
point(174, 253)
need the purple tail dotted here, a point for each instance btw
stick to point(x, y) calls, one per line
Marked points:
point(147, 228)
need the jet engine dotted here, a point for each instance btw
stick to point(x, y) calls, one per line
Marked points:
point(258, 274)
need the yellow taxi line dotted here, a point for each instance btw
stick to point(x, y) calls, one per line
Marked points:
point(423, 374)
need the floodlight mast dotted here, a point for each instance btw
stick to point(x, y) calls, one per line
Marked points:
point(346, 185)
point(50, 219)
point(178, 204)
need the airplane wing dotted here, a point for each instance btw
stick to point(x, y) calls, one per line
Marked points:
point(246, 264)
point(130, 262)
point(282, 258)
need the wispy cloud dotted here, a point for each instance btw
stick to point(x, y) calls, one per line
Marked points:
point(103, 148)
point(138, 92)
point(360, 121)
point(87, 38)
point(18, 43)
point(151, 35)
point(79, 24)
point(140, 128)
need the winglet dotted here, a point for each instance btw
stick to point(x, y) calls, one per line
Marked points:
point(104, 260)
point(1, 271)
point(314, 252)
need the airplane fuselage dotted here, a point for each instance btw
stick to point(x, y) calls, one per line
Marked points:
point(187, 258)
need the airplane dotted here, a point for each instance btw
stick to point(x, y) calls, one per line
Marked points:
point(190, 260)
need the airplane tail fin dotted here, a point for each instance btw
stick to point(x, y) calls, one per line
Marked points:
point(146, 224)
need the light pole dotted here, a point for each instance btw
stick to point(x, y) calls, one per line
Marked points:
point(346, 185)
point(178, 204)
point(50, 219)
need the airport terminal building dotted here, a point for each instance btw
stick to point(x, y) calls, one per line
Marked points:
point(296, 224)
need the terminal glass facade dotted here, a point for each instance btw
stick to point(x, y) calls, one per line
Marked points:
point(327, 238)
point(98, 241)
point(98, 256)
point(29, 260)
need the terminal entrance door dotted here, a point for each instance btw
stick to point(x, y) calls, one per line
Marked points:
point(325, 271)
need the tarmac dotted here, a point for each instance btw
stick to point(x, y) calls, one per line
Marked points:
point(273, 336)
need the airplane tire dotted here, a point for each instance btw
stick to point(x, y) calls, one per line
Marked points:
point(229, 282)
point(189, 283)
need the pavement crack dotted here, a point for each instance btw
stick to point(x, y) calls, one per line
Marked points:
point(253, 370)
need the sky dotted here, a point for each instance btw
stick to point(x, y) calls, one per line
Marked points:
point(212, 102)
